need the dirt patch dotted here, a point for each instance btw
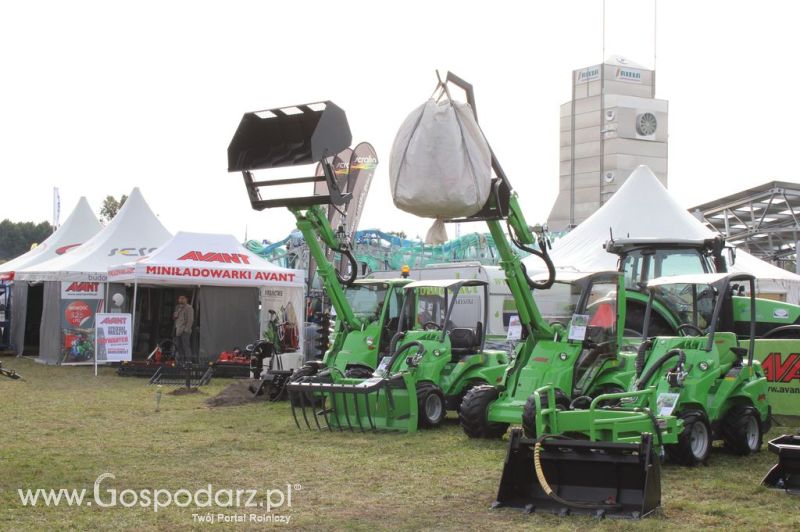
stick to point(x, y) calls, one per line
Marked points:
point(184, 391)
point(237, 393)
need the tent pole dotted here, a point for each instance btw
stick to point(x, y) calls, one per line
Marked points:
point(133, 313)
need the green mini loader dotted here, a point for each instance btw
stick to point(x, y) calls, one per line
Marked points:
point(687, 392)
point(436, 355)
point(366, 309)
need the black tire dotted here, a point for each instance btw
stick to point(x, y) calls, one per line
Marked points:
point(741, 430)
point(474, 410)
point(464, 391)
point(431, 405)
point(529, 412)
point(358, 372)
point(303, 371)
point(694, 442)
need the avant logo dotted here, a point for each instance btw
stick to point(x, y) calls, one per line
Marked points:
point(778, 369)
point(64, 249)
point(130, 252)
point(114, 321)
point(84, 287)
point(216, 256)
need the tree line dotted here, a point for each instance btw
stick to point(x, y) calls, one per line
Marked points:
point(17, 238)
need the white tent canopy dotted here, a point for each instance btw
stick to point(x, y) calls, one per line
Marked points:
point(643, 208)
point(231, 283)
point(80, 226)
point(134, 232)
point(205, 259)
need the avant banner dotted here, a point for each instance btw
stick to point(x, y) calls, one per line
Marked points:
point(113, 337)
point(780, 360)
point(80, 301)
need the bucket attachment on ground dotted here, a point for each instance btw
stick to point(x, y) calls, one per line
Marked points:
point(785, 475)
point(374, 404)
point(564, 476)
point(290, 136)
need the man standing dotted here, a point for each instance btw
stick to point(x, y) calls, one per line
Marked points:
point(184, 318)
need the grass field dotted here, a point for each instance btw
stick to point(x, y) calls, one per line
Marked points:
point(62, 428)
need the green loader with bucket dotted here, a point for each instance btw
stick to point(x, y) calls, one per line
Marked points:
point(436, 355)
point(366, 309)
point(687, 391)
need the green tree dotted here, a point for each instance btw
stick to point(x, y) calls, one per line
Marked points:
point(17, 238)
point(111, 207)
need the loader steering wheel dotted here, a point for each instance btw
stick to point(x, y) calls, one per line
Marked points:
point(431, 326)
point(693, 327)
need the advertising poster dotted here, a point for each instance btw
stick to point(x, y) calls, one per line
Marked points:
point(113, 337)
point(780, 361)
point(281, 317)
point(80, 302)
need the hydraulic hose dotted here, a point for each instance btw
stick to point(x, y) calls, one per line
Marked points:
point(348, 281)
point(537, 465)
point(640, 360)
point(402, 349)
point(396, 338)
point(642, 381)
point(543, 254)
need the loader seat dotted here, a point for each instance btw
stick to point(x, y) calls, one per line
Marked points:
point(465, 341)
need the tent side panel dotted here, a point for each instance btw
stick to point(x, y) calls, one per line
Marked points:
point(19, 309)
point(228, 318)
point(50, 330)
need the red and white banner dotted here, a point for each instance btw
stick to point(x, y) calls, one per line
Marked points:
point(113, 337)
point(81, 290)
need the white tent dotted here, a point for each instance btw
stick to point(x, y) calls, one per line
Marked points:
point(643, 208)
point(73, 283)
point(79, 227)
point(134, 232)
point(229, 283)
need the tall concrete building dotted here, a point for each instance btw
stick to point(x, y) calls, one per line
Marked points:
point(612, 124)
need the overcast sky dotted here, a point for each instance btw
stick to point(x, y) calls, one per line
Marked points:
point(100, 97)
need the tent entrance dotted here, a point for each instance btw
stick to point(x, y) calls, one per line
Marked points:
point(33, 318)
point(153, 321)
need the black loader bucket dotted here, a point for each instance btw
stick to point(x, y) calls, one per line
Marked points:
point(565, 476)
point(290, 136)
point(785, 475)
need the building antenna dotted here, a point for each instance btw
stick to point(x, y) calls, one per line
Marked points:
point(655, 30)
point(603, 59)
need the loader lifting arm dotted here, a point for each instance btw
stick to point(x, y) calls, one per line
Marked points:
point(313, 223)
point(295, 136)
point(504, 206)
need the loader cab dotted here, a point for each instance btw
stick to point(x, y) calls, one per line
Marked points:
point(704, 303)
point(452, 306)
point(378, 302)
point(598, 324)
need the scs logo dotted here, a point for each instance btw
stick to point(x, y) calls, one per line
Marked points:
point(215, 256)
point(83, 287)
point(114, 321)
point(778, 369)
point(131, 252)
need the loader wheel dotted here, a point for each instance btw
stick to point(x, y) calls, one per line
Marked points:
point(358, 372)
point(430, 401)
point(529, 412)
point(474, 412)
point(694, 443)
point(609, 389)
point(741, 430)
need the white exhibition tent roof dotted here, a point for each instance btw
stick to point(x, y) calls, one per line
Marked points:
point(135, 231)
point(80, 226)
point(643, 208)
point(205, 259)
